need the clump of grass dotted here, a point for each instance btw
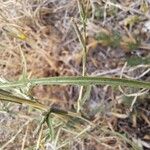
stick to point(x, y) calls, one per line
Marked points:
point(112, 40)
point(134, 61)
point(109, 10)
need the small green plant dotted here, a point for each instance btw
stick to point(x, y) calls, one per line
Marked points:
point(112, 40)
point(133, 46)
point(134, 61)
point(110, 11)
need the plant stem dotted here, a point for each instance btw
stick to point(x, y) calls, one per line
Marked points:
point(6, 96)
point(78, 80)
point(83, 42)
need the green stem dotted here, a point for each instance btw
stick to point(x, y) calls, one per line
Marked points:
point(78, 80)
point(6, 96)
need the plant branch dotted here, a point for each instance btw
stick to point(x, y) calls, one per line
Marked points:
point(78, 80)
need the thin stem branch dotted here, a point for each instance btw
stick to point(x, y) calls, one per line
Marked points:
point(78, 80)
point(83, 42)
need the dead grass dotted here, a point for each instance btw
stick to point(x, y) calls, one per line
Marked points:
point(43, 32)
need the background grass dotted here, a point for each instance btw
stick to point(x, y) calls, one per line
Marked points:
point(105, 38)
